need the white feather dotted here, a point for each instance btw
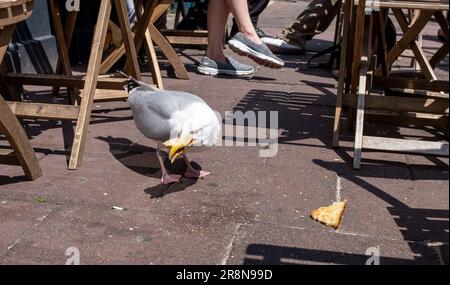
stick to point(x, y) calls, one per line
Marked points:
point(199, 120)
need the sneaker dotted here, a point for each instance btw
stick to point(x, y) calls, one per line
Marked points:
point(234, 68)
point(278, 45)
point(261, 54)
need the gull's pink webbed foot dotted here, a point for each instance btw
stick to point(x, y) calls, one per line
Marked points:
point(170, 179)
point(196, 174)
point(191, 172)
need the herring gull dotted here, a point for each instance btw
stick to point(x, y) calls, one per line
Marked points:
point(175, 120)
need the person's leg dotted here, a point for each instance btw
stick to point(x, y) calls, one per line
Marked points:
point(218, 12)
point(315, 19)
point(246, 42)
point(239, 9)
point(215, 62)
point(255, 8)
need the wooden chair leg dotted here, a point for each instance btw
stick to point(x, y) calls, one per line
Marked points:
point(63, 40)
point(90, 85)
point(382, 49)
point(112, 59)
point(9, 89)
point(359, 131)
point(169, 52)
point(409, 39)
point(155, 12)
point(160, 40)
point(5, 36)
point(68, 32)
point(127, 37)
point(440, 55)
point(153, 60)
point(11, 128)
point(150, 51)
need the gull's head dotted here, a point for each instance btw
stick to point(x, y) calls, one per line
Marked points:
point(179, 146)
point(204, 130)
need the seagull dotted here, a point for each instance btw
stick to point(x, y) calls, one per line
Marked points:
point(176, 120)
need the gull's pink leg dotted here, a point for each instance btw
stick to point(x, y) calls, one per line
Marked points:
point(191, 172)
point(166, 177)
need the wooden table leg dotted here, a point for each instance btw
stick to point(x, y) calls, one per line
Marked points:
point(342, 72)
point(363, 88)
point(357, 49)
point(90, 86)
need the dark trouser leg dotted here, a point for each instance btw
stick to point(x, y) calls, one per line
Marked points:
point(315, 19)
point(255, 7)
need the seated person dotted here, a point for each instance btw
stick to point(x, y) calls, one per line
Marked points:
point(276, 44)
point(245, 42)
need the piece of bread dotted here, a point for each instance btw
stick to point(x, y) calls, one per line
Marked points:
point(330, 216)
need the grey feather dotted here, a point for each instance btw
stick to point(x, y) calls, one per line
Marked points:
point(152, 109)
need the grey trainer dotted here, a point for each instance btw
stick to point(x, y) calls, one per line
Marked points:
point(234, 68)
point(261, 54)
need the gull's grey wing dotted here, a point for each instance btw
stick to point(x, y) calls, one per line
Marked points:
point(152, 110)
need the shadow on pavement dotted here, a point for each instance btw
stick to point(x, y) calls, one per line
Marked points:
point(143, 160)
point(261, 254)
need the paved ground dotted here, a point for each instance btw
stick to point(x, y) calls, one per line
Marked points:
point(252, 210)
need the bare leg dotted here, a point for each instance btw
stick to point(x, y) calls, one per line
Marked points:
point(191, 172)
point(166, 177)
point(218, 13)
point(239, 9)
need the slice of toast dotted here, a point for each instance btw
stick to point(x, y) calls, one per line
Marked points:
point(330, 216)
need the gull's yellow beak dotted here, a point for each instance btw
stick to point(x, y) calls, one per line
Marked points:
point(178, 147)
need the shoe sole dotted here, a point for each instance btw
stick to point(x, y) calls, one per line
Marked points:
point(214, 71)
point(261, 59)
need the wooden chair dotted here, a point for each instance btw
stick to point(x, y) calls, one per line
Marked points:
point(185, 37)
point(12, 12)
point(145, 30)
point(370, 68)
point(93, 86)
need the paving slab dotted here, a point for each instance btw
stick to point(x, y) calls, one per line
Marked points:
point(105, 236)
point(19, 219)
point(273, 245)
point(396, 209)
